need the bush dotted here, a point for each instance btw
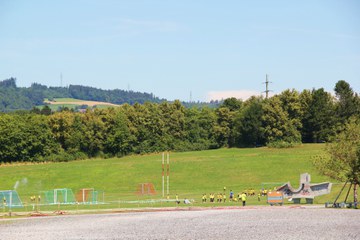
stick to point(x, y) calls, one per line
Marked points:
point(282, 144)
point(65, 157)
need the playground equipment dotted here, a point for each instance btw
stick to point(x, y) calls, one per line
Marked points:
point(306, 190)
point(10, 199)
point(89, 196)
point(59, 196)
point(146, 189)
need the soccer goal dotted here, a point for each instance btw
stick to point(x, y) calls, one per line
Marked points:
point(146, 189)
point(59, 196)
point(10, 198)
point(89, 196)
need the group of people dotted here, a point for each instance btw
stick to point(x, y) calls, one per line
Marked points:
point(221, 197)
point(33, 199)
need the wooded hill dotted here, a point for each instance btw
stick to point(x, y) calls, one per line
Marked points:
point(14, 98)
point(17, 98)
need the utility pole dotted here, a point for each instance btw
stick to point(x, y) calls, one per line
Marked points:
point(61, 79)
point(267, 87)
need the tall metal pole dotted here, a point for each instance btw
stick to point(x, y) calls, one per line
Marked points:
point(267, 87)
point(163, 160)
point(61, 79)
point(167, 174)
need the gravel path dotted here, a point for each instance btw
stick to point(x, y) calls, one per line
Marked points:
point(240, 223)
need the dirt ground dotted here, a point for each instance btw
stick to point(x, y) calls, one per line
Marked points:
point(192, 223)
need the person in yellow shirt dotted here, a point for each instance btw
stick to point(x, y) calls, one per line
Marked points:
point(243, 198)
point(224, 197)
point(204, 197)
point(177, 199)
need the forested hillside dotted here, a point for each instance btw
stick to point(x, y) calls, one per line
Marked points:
point(15, 98)
point(283, 120)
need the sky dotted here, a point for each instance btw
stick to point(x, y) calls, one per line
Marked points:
point(198, 50)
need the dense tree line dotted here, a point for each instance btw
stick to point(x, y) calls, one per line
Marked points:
point(283, 120)
point(16, 98)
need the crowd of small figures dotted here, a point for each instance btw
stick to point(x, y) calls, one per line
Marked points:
point(221, 197)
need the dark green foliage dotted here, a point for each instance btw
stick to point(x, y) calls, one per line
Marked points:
point(319, 118)
point(277, 125)
point(281, 121)
point(116, 96)
point(14, 98)
point(25, 138)
point(248, 124)
point(232, 104)
point(348, 102)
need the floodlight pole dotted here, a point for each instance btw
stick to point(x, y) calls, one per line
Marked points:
point(163, 180)
point(168, 174)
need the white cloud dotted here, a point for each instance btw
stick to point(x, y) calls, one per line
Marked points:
point(239, 94)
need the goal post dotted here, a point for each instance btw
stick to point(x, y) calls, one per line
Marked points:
point(89, 196)
point(59, 196)
point(146, 189)
point(10, 198)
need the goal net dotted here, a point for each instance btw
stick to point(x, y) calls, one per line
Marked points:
point(146, 189)
point(89, 196)
point(59, 196)
point(10, 198)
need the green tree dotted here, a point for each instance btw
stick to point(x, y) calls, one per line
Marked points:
point(291, 103)
point(60, 125)
point(277, 126)
point(199, 129)
point(233, 104)
point(248, 124)
point(347, 101)
point(342, 161)
point(222, 128)
point(319, 117)
point(46, 110)
point(25, 137)
point(117, 141)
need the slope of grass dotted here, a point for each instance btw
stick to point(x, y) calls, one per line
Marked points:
point(73, 103)
point(191, 173)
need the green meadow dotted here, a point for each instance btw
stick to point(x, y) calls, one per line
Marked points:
point(72, 103)
point(191, 174)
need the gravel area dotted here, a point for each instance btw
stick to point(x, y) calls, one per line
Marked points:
point(226, 223)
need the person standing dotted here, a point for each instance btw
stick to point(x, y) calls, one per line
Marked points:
point(231, 196)
point(243, 198)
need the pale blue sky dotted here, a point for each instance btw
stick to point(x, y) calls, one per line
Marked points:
point(212, 49)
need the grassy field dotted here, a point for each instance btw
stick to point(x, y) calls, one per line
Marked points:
point(191, 173)
point(72, 103)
